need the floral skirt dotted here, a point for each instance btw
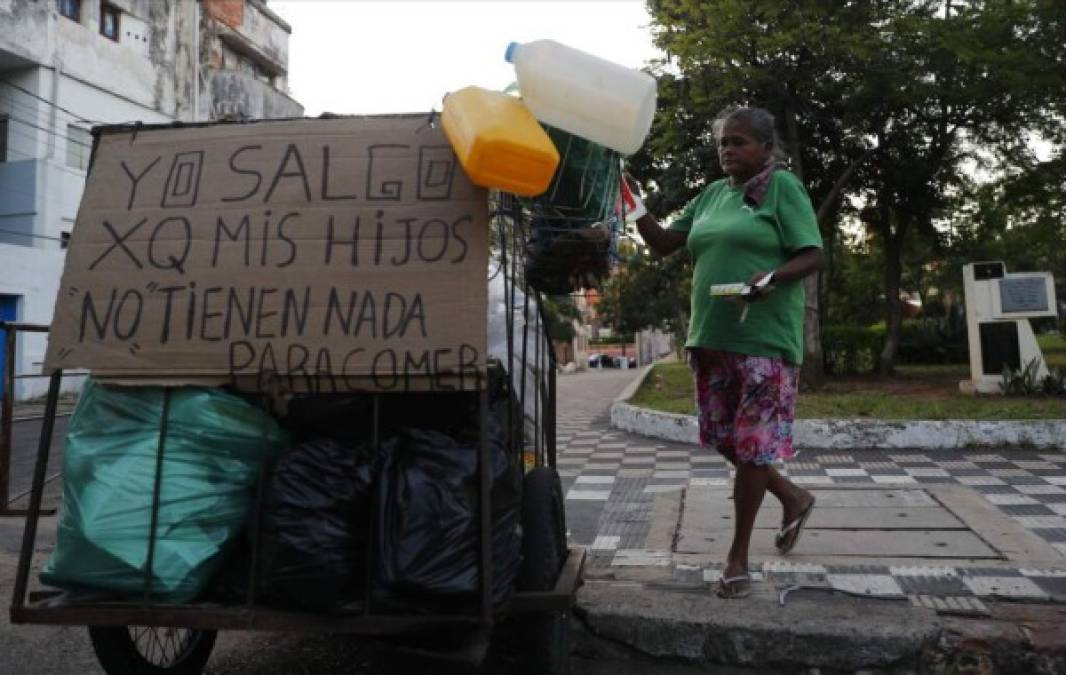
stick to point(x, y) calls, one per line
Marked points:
point(746, 405)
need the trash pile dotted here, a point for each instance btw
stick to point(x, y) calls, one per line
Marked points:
point(559, 148)
point(329, 495)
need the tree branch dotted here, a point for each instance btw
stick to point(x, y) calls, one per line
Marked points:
point(834, 192)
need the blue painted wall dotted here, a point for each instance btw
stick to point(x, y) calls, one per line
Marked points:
point(8, 309)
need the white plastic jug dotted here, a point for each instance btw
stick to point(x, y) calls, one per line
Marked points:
point(585, 95)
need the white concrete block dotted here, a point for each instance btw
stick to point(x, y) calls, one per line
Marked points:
point(1009, 587)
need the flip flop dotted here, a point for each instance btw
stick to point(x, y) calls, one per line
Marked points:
point(786, 539)
point(733, 588)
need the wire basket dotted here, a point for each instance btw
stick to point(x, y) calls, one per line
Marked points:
point(573, 226)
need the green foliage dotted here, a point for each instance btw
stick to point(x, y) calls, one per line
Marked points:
point(851, 349)
point(1026, 381)
point(1023, 382)
point(559, 315)
point(1054, 349)
point(889, 105)
point(942, 340)
point(1054, 383)
point(648, 292)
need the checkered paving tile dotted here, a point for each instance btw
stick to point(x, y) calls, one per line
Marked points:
point(610, 479)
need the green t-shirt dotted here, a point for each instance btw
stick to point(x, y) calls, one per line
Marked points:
point(730, 241)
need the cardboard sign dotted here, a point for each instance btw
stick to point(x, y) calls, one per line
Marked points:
point(325, 255)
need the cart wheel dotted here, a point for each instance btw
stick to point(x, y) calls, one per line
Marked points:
point(544, 636)
point(151, 650)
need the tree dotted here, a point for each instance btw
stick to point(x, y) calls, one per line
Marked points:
point(961, 80)
point(884, 102)
point(648, 292)
point(560, 312)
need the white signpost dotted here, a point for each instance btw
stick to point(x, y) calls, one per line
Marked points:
point(998, 308)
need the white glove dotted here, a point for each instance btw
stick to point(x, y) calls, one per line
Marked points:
point(634, 207)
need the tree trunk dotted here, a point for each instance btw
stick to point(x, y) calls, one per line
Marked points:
point(893, 307)
point(813, 371)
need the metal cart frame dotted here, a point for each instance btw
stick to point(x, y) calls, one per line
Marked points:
point(61, 608)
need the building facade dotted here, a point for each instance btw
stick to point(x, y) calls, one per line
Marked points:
point(69, 65)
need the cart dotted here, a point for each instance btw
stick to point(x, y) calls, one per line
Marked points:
point(143, 635)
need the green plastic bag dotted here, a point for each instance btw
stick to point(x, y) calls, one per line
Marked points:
point(215, 445)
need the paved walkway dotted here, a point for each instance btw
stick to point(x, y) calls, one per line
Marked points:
point(627, 497)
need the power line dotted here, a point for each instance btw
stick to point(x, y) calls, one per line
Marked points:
point(15, 105)
point(15, 131)
point(56, 105)
point(28, 107)
point(50, 131)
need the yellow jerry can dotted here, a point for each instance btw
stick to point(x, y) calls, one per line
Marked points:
point(498, 141)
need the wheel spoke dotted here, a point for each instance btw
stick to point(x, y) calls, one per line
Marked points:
point(157, 644)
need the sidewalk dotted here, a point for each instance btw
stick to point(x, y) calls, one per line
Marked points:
point(913, 561)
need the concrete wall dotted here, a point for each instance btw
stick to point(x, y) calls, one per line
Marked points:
point(143, 66)
point(653, 344)
point(246, 48)
point(27, 28)
point(236, 95)
point(32, 275)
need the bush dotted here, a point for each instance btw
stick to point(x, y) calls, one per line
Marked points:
point(851, 349)
point(1054, 383)
point(855, 349)
point(933, 341)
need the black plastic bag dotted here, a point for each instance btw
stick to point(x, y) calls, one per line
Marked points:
point(428, 534)
point(316, 518)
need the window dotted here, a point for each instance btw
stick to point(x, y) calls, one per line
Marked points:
point(70, 9)
point(109, 17)
point(79, 143)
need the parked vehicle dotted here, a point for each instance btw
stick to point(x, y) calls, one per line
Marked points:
point(602, 361)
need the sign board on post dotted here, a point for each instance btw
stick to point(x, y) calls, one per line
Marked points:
point(326, 255)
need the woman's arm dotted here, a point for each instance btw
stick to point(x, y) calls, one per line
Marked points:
point(661, 240)
point(803, 263)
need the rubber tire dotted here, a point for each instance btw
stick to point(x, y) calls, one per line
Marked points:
point(544, 637)
point(118, 655)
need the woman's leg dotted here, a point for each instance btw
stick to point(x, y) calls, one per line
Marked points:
point(793, 498)
point(763, 434)
point(748, 491)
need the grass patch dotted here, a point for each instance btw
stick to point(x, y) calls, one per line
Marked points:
point(916, 392)
point(1054, 347)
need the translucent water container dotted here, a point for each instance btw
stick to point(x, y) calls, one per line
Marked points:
point(585, 95)
point(498, 141)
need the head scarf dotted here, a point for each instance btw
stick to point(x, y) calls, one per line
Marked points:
point(756, 187)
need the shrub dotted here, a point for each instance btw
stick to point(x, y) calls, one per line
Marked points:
point(941, 340)
point(1054, 383)
point(851, 349)
point(1023, 382)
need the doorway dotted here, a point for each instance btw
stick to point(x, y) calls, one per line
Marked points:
point(8, 312)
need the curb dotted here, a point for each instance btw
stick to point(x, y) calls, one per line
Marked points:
point(632, 621)
point(841, 434)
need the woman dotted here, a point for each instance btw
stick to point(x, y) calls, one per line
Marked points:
point(756, 223)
